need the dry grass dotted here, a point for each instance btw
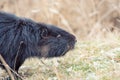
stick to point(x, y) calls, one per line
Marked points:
point(96, 60)
point(85, 18)
point(96, 25)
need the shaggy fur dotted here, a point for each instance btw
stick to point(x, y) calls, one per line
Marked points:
point(22, 38)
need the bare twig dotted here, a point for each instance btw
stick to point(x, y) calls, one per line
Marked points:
point(17, 53)
point(17, 74)
point(14, 72)
point(6, 67)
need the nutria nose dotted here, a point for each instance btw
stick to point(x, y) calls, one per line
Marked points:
point(74, 38)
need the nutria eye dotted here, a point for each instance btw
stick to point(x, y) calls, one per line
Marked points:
point(58, 36)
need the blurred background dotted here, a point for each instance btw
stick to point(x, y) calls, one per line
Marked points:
point(95, 23)
point(89, 19)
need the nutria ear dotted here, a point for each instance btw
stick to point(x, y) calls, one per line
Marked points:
point(44, 32)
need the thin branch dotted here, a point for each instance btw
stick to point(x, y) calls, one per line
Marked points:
point(6, 67)
point(17, 53)
point(14, 72)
